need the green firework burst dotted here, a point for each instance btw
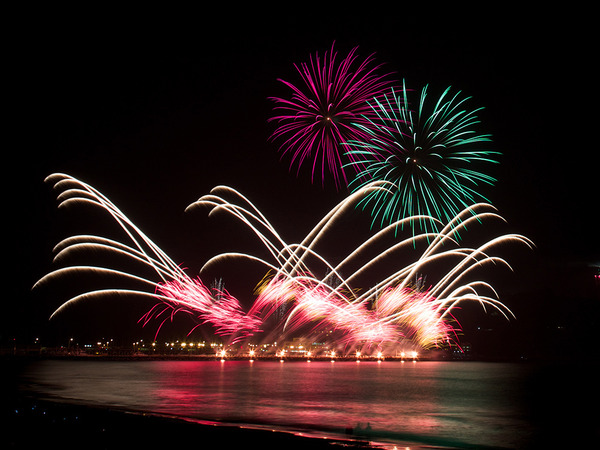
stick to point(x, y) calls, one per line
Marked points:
point(430, 155)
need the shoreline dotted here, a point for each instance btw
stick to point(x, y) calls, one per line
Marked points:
point(31, 422)
point(34, 421)
point(212, 357)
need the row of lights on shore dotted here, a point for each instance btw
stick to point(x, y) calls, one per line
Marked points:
point(282, 354)
point(332, 354)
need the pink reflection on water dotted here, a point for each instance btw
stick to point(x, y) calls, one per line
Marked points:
point(477, 403)
point(341, 395)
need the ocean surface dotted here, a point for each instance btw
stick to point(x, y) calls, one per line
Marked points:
point(457, 404)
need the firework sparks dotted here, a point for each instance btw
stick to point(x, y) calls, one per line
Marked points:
point(219, 309)
point(316, 304)
point(176, 291)
point(402, 311)
point(327, 109)
point(430, 157)
point(394, 309)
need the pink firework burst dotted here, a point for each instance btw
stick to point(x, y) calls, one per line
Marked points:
point(219, 309)
point(417, 313)
point(325, 309)
point(328, 109)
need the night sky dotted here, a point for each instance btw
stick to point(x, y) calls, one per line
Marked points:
point(156, 112)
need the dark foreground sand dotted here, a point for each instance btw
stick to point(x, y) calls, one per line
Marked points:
point(29, 422)
point(34, 423)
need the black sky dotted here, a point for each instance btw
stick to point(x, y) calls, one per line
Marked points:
point(155, 112)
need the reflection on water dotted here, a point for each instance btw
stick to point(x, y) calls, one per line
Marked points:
point(473, 403)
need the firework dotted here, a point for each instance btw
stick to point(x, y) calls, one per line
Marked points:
point(328, 108)
point(430, 156)
point(397, 308)
point(173, 288)
point(219, 309)
point(324, 309)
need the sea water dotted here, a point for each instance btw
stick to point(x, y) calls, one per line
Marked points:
point(432, 402)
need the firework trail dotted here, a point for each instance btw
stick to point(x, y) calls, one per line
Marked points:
point(401, 310)
point(323, 309)
point(219, 309)
point(394, 309)
point(430, 155)
point(327, 109)
point(176, 291)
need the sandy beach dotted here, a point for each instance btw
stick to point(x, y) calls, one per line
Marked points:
point(33, 423)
